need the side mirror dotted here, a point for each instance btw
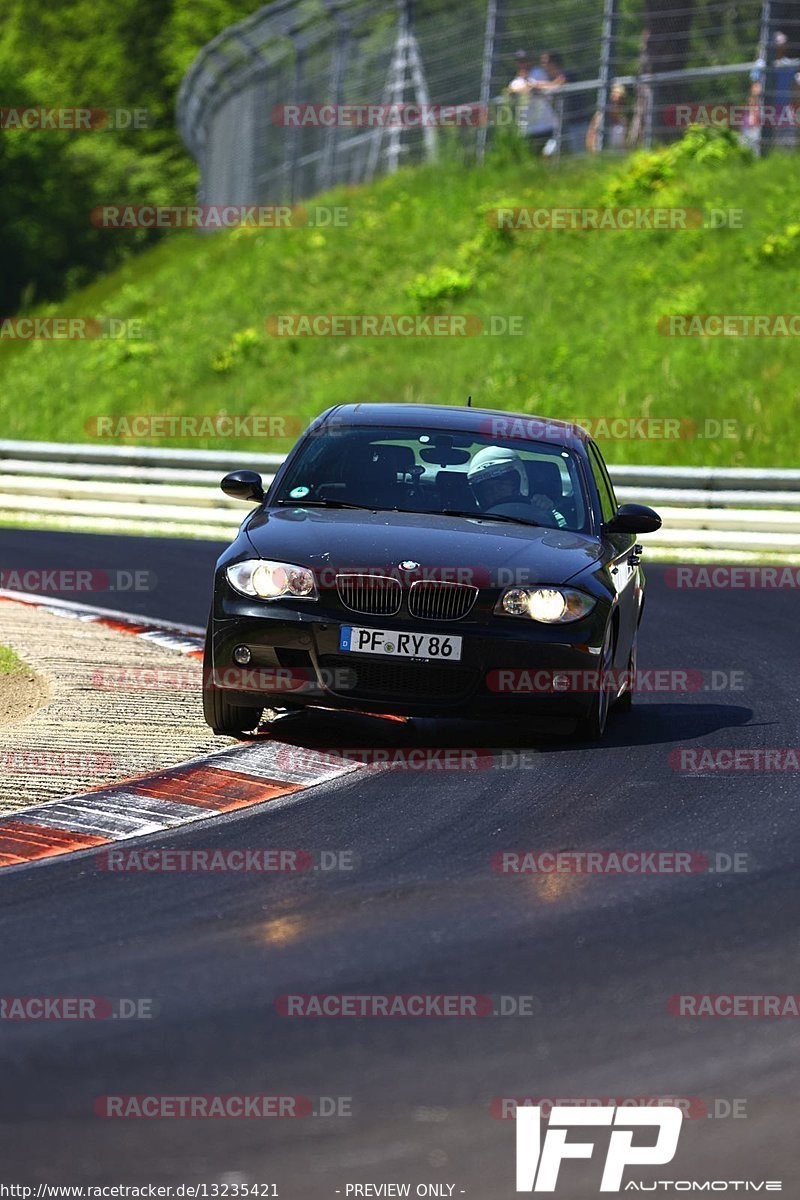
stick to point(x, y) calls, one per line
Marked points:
point(634, 518)
point(243, 485)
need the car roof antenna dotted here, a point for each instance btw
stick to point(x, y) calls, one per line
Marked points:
point(469, 401)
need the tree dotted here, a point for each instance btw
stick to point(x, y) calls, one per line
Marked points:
point(670, 24)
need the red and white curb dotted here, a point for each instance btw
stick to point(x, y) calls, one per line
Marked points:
point(232, 779)
point(240, 777)
point(185, 639)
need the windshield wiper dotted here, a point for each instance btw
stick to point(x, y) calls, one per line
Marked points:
point(441, 512)
point(326, 504)
point(484, 516)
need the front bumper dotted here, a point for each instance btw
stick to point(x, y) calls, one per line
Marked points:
point(508, 666)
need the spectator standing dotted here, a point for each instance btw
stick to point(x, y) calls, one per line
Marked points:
point(784, 72)
point(643, 96)
point(518, 90)
point(574, 126)
point(615, 126)
point(750, 134)
point(536, 118)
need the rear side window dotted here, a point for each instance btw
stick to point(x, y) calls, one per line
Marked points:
point(608, 501)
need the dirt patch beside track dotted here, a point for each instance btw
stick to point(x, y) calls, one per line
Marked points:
point(22, 691)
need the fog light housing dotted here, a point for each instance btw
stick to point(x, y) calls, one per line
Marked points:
point(242, 656)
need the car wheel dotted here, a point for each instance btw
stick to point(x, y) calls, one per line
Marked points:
point(223, 717)
point(592, 727)
point(625, 701)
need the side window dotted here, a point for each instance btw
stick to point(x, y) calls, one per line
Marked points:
point(607, 478)
point(608, 503)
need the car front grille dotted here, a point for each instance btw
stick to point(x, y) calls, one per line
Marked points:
point(433, 600)
point(378, 595)
point(394, 679)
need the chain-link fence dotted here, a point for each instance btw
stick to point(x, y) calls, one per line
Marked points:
point(306, 94)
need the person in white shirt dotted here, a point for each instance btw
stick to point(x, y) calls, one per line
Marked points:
point(536, 118)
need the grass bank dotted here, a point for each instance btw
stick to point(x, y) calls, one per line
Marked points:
point(589, 304)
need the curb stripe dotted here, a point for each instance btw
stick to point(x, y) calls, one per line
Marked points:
point(170, 642)
point(124, 814)
point(36, 841)
point(217, 790)
point(176, 637)
point(279, 760)
point(176, 797)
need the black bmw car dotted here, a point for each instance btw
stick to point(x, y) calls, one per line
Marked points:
point(430, 561)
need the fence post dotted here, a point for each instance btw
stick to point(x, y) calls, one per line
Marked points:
point(763, 57)
point(394, 82)
point(649, 106)
point(606, 54)
point(341, 49)
point(420, 84)
point(763, 33)
point(406, 66)
point(299, 92)
point(487, 74)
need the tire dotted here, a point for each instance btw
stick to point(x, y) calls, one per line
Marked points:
point(592, 727)
point(625, 702)
point(225, 719)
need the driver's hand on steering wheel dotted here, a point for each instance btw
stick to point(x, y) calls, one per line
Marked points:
point(540, 500)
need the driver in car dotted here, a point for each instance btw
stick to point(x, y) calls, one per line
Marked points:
point(499, 484)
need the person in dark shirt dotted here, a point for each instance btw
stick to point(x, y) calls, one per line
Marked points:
point(785, 92)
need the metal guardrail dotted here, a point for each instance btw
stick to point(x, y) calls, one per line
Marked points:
point(133, 456)
point(708, 512)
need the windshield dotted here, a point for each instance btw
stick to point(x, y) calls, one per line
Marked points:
point(453, 473)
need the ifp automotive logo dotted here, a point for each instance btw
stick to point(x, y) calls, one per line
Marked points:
point(538, 1162)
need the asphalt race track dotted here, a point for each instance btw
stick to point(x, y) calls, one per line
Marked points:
point(425, 913)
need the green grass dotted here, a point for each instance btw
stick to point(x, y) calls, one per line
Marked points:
point(589, 303)
point(9, 663)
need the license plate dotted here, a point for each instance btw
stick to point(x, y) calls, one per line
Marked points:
point(357, 640)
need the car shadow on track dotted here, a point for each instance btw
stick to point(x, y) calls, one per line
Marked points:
point(657, 724)
point(647, 724)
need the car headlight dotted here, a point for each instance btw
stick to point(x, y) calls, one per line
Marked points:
point(272, 580)
point(551, 606)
